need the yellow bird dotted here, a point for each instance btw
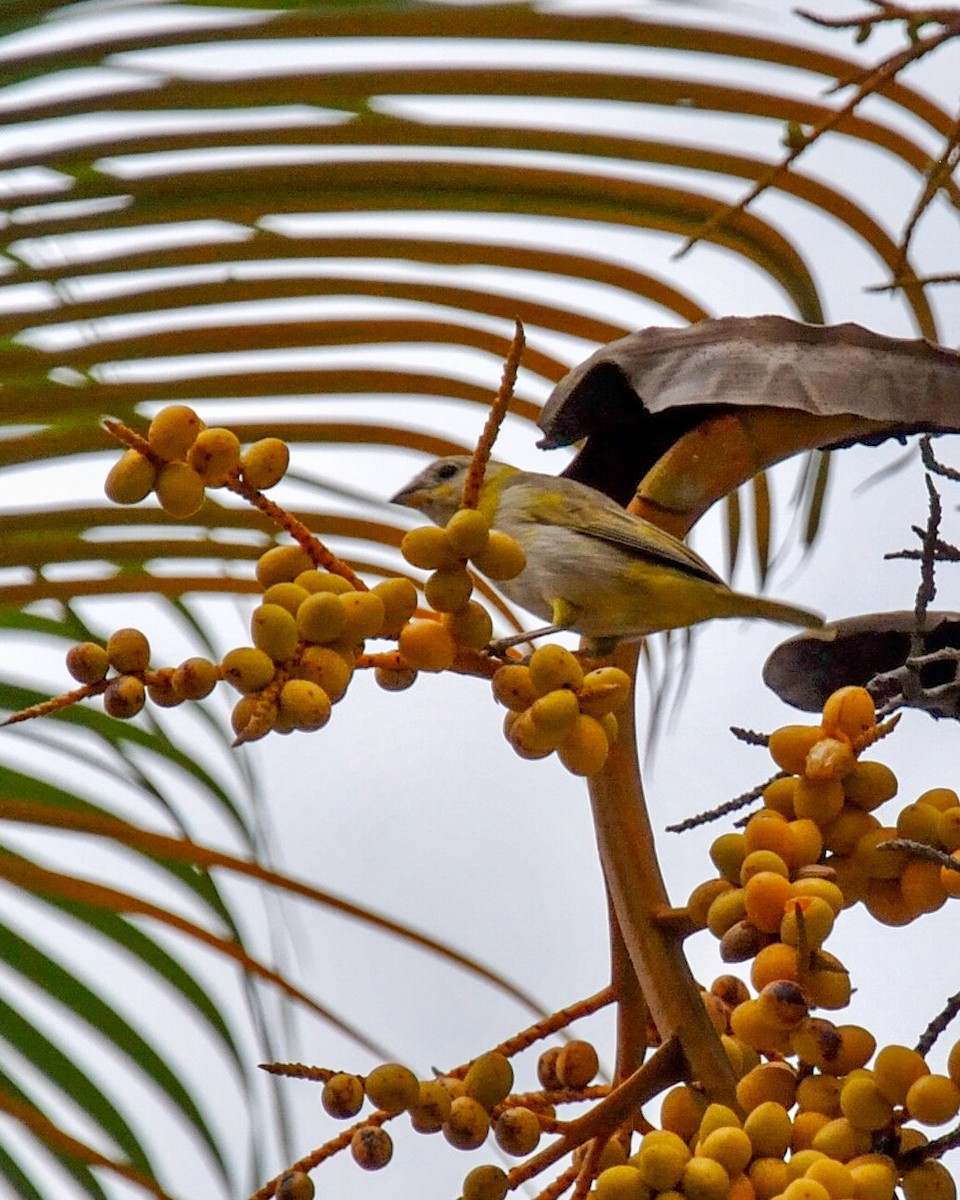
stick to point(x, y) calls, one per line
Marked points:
point(591, 566)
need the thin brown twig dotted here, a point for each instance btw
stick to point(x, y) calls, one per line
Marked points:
point(723, 810)
point(938, 1025)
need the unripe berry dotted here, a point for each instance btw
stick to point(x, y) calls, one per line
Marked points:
point(468, 532)
point(321, 618)
point(470, 626)
point(849, 713)
point(432, 1107)
point(426, 646)
point(363, 616)
point(313, 580)
point(513, 687)
point(87, 662)
point(604, 690)
point(895, 1069)
point(552, 667)
point(288, 595)
point(303, 705)
point(395, 679)
point(584, 749)
point(790, 745)
point(869, 784)
point(933, 1100)
point(247, 669)
point(448, 589)
point(399, 598)
point(131, 478)
point(265, 463)
point(622, 1182)
point(274, 631)
point(429, 548)
point(929, 1181)
point(282, 564)
point(550, 1080)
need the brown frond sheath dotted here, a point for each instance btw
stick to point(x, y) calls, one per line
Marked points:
point(56, 703)
point(498, 410)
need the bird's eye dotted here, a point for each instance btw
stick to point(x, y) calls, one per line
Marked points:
point(447, 470)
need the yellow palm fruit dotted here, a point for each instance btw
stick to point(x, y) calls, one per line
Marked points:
point(725, 911)
point(849, 713)
point(774, 962)
point(247, 669)
point(940, 798)
point(553, 667)
point(173, 431)
point(762, 860)
point(869, 785)
point(847, 828)
point(953, 1063)
point(895, 1069)
point(555, 713)
point(769, 1082)
point(622, 1182)
point(765, 897)
point(750, 1024)
point(823, 889)
point(682, 1110)
point(768, 1176)
point(929, 1181)
point(468, 532)
point(806, 1125)
point(321, 618)
point(800, 1163)
point(88, 663)
point(840, 1140)
point(919, 823)
point(728, 1146)
point(828, 984)
point(805, 1188)
point(526, 739)
point(661, 1161)
point(326, 668)
point(251, 718)
point(806, 918)
point(215, 455)
point(517, 1131)
point(705, 1179)
point(874, 1177)
point(314, 580)
point(834, 1176)
point(829, 759)
point(392, 1087)
point(195, 678)
point(727, 853)
point(448, 588)
point(502, 558)
point(432, 1107)
point(363, 615)
point(604, 690)
point(179, 489)
point(948, 828)
point(784, 1003)
point(303, 705)
point(274, 631)
point(489, 1079)
point(427, 646)
point(288, 595)
point(265, 463)
point(128, 651)
point(584, 750)
point(806, 844)
point(160, 689)
point(513, 687)
point(282, 564)
point(790, 745)
point(429, 548)
point(486, 1182)
point(342, 1096)
point(819, 1093)
point(768, 1126)
point(131, 478)
point(371, 1147)
point(470, 626)
point(394, 679)
point(864, 1105)
point(818, 800)
point(778, 796)
point(468, 1124)
point(718, 1116)
point(933, 1100)
point(702, 896)
point(950, 877)
point(124, 697)
point(399, 597)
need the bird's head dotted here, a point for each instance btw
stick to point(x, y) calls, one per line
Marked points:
point(438, 490)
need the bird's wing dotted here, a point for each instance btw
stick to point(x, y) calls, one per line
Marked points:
point(600, 517)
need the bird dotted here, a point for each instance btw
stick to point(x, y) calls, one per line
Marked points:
point(591, 567)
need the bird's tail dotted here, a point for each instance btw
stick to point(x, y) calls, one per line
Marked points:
point(773, 610)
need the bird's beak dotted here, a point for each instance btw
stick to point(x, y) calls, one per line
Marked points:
point(409, 497)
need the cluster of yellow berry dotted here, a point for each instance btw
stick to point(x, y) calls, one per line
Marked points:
point(183, 458)
point(465, 1107)
point(827, 1150)
point(430, 645)
point(555, 706)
